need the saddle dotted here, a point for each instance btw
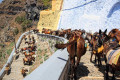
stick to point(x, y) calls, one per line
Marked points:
point(113, 56)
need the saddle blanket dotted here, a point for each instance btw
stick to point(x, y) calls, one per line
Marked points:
point(113, 56)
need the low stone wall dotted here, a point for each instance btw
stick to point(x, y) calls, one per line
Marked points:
point(64, 74)
point(54, 68)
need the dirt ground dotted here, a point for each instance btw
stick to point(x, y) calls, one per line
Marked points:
point(17, 65)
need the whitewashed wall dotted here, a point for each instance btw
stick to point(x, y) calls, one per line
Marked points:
point(90, 15)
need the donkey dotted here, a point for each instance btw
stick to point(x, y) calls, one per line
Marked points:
point(112, 54)
point(28, 59)
point(23, 71)
point(115, 33)
point(8, 69)
point(76, 48)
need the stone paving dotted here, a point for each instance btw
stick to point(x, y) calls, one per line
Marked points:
point(90, 71)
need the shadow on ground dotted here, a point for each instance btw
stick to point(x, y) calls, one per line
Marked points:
point(82, 71)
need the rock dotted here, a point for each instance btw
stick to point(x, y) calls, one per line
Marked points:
point(1, 12)
point(15, 2)
point(31, 9)
point(8, 38)
point(16, 8)
point(11, 13)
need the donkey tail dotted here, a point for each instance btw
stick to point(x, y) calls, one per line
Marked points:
point(62, 46)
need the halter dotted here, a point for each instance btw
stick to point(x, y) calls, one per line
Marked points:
point(73, 38)
point(113, 39)
point(100, 49)
point(78, 39)
point(115, 36)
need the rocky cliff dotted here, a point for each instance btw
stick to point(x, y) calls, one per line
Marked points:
point(16, 15)
point(10, 9)
point(32, 10)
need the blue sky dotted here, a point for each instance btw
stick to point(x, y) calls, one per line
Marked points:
point(1, 1)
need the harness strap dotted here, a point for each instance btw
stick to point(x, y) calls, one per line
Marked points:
point(94, 52)
point(113, 39)
point(119, 42)
point(100, 49)
point(78, 39)
point(73, 38)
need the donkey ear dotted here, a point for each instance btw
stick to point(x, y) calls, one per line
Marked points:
point(105, 31)
point(113, 31)
point(100, 31)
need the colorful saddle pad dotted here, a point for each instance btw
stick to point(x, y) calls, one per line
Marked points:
point(113, 56)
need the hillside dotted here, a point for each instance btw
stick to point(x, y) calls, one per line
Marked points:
point(14, 15)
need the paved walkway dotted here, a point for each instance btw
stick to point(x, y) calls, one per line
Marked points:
point(90, 71)
point(17, 65)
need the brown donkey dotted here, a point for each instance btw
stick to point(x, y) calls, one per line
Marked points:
point(112, 55)
point(113, 58)
point(115, 33)
point(23, 71)
point(75, 48)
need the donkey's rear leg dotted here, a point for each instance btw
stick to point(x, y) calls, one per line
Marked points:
point(113, 72)
point(91, 57)
point(107, 69)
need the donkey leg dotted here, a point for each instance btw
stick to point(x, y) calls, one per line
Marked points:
point(91, 57)
point(99, 58)
point(95, 58)
point(75, 76)
point(69, 68)
point(78, 60)
point(105, 59)
point(113, 72)
point(107, 69)
point(77, 63)
point(72, 69)
point(23, 61)
point(69, 73)
point(98, 61)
